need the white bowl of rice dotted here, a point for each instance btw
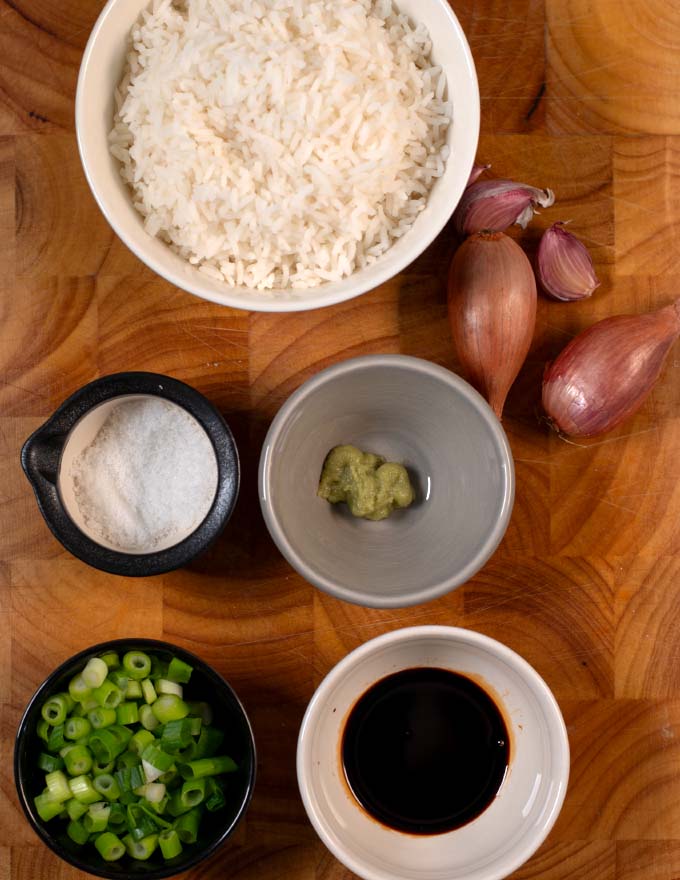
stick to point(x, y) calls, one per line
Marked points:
point(277, 155)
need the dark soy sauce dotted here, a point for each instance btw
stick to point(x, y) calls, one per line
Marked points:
point(425, 750)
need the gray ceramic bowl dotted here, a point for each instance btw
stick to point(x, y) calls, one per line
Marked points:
point(410, 411)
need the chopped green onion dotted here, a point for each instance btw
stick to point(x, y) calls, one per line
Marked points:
point(77, 832)
point(77, 728)
point(139, 824)
point(209, 742)
point(107, 786)
point(207, 767)
point(127, 713)
point(170, 776)
point(46, 807)
point(163, 686)
point(187, 825)
point(128, 759)
point(49, 763)
point(176, 735)
point(117, 816)
point(95, 672)
point(78, 690)
point(83, 790)
point(133, 690)
point(124, 734)
point(154, 792)
point(157, 758)
point(108, 695)
point(98, 768)
point(156, 809)
point(55, 710)
point(129, 778)
point(147, 718)
point(169, 707)
point(176, 806)
point(106, 745)
point(110, 848)
point(192, 792)
point(102, 717)
point(78, 760)
point(140, 741)
point(169, 843)
point(179, 671)
point(137, 664)
point(120, 678)
point(57, 785)
point(141, 849)
point(149, 691)
point(43, 730)
point(75, 809)
point(97, 817)
point(202, 710)
point(214, 799)
point(111, 659)
point(56, 740)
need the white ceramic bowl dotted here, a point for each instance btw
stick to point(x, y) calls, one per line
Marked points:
point(517, 821)
point(100, 73)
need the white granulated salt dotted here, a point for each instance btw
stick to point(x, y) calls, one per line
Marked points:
point(148, 478)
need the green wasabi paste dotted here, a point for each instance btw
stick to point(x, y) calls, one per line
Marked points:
point(371, 487)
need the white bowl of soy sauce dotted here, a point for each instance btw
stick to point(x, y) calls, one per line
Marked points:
point(433, 753)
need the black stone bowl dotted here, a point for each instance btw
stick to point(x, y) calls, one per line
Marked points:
point(41, 458)
point(239, 743)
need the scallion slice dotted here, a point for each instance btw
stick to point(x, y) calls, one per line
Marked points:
point(109, 846)
point(78, 760)
point(55, 710)
point(95, 672)
point(57, 785)
point(97, 818)
point(137, 664)
point(46, 807)
point(169, 843)
point(141, 849)
point(164, 686)
point(208, 767)
point(77, 728)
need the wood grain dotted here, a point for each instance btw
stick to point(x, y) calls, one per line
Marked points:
point(578, 95)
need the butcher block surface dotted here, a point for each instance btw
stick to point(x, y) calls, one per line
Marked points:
point(578, 95)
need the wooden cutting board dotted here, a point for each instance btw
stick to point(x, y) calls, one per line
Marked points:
point(578, 95)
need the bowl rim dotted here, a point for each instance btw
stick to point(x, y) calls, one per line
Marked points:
point(308, 298)
point(118, 644)
point(40, 451)
point(358, 596)
point(538, 686)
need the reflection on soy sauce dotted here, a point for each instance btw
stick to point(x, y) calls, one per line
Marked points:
point(425, 750)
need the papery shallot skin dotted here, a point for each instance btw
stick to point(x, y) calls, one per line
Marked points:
point(494, 205)
point(605, 373)
point(492, 312)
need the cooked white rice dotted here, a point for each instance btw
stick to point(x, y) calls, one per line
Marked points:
point(280, 143)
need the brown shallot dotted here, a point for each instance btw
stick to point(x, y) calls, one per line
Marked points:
point(492, 312)
point(606, 372)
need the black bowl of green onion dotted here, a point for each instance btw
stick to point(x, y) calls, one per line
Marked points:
point(134, 758)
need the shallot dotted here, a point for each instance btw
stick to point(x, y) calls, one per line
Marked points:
point(603, 375)
point(492, 312)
